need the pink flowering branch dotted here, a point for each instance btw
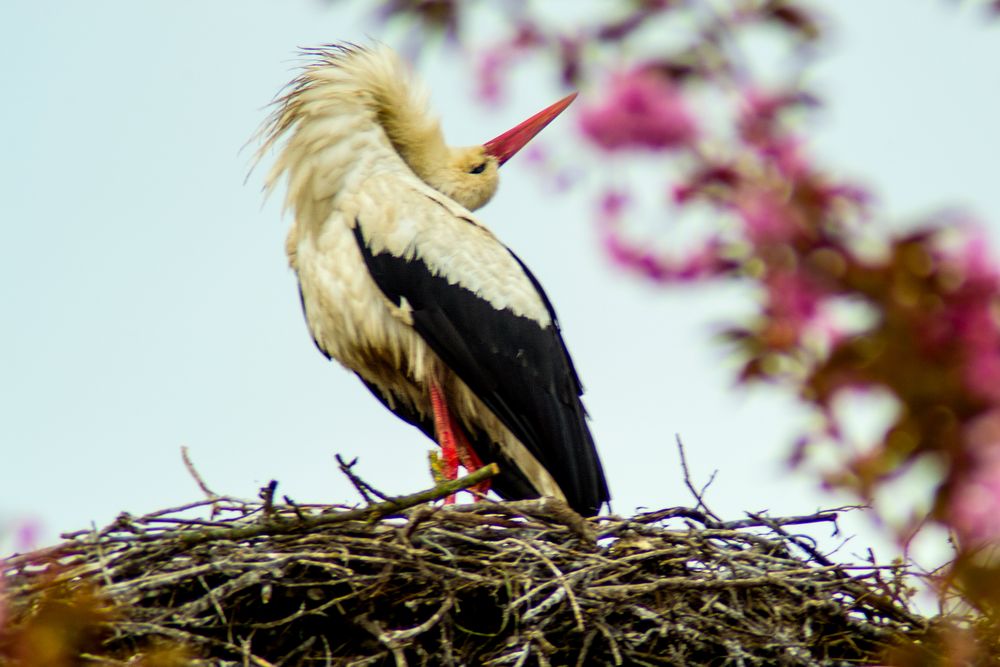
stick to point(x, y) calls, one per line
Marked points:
point(643, 108)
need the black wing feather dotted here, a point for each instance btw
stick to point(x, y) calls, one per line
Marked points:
point(519, 369)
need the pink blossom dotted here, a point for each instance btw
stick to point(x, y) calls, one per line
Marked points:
point(787, 154)
point(495, 60)
point(978, 335)
point(618, 250)
point(535, 154)
point(627, 256)
point(975, 260)
point(759, 125)
point(682, 193)
point(490, 69)
point(974, 510)
point(717, 176)
point(793, 303)
point(982, 373)
point(975, 506)
point(612, 204)
point(968, 321)
point(791, 296)
point(764, 107)
point(844, 193)
point(702, 262)
point(564, 179)
point(641, 109)
point(767, 218)
point(967, 326)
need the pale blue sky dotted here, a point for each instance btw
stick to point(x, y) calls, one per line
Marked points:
point(147, 303)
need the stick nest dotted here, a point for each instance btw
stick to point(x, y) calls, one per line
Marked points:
point(523, 583)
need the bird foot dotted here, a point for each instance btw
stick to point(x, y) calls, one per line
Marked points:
point(441, 471)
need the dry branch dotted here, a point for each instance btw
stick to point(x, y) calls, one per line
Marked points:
point(401, 582)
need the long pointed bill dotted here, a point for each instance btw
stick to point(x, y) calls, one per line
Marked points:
point(514, 139)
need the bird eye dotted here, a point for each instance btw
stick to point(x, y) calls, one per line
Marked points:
point(478, 169)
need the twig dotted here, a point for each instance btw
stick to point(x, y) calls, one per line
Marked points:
point(378, 633)
point(189, 538)
point(772, 523)
point(587, 641)
point(797, 540)
point(266, 494)
point(880, 602)
point(295, 508)
point(698, 495)
point(209, 493)
point(101, 558)
point(560, 578)
point(185, 638)
point(612, 643)
point(399, 636)
point(363, 487)
point(102, 659)
point(545, 507)
point(621, 591)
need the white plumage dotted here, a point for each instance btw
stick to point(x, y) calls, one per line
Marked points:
point(404, 286)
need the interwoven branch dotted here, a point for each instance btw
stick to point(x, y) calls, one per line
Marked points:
point(402, 582)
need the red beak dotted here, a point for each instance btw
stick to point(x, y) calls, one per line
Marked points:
point(514, 139)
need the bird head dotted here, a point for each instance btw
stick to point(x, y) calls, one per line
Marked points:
point(345, 100)
point(470, 174)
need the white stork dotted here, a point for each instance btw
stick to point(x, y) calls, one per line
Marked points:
point(401, 284)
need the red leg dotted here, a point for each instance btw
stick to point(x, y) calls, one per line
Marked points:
point(468, 457)
point(445, 436)
point(455, 446)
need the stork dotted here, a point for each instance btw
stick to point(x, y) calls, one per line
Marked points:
point(404, 286)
